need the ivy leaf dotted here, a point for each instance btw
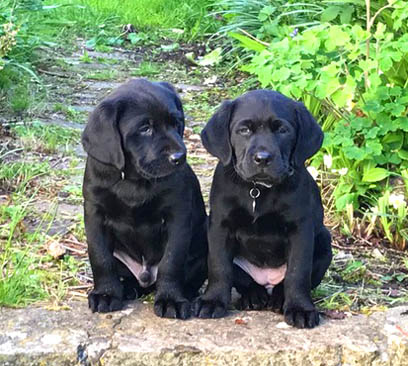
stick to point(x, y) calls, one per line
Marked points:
point(336, 37)
point(373, 106)
point(402, 123)
point(375, 174)
point(311, 43)
point(374, 147)
point(354, 153)
point(395, 109)
point(281, 74)
point(372, 132)
point(386, 63)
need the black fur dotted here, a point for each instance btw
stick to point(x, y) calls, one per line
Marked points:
point(155, 214)
point(262, 140)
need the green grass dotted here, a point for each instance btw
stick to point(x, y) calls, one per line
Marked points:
point(102, 75)
point(147, 68)
point(47, 138)
point(188, 15)
point(70, 113)
point(15, 176)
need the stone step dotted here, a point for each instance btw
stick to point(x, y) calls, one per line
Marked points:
point(136, 337)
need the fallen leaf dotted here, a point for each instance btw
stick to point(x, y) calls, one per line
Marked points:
point(335, 314)
point(55, 249)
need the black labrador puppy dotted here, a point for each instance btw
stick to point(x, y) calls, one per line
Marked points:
point(145, 218)
point(266, 233)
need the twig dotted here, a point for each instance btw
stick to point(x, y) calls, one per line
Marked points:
point(73, 249)
point(80, 287)
point(10, 152)
point(53, 73)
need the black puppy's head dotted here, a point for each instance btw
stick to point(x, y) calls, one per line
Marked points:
point(138, 127)
point(264, 134)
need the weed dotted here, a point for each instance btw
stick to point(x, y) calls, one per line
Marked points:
point(17, 175)
point(146, 68)
point(193, 160)
point(102, 75)
point(71, 113)
point(47, 138)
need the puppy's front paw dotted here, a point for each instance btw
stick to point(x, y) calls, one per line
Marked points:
point(168, 306)
point(207, 309)
point(301, 318)
point(103, 303)
point(276, 300)
point(255, 298)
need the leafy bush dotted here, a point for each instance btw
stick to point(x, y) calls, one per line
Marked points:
point(357, 79)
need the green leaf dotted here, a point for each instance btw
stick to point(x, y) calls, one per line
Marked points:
point(311, 42)
point(403, 154)
point(386, 63)
point(342, 201)
point(354, 152)
point(337, 37)
point(330, 13)
point(248, 42)
point(394, 140)
point(375, 175)
point(346, 14)
point(379, 33)
point(212, 58)
point(395, 109)
point(281, 74)
point(170, 47)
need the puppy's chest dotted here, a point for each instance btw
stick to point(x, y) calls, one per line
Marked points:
point(246, 223)
point(261, 240)
point(133, 213)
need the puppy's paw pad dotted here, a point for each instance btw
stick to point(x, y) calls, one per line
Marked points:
point(207, 309)
point(302, 319)
point(180, 309)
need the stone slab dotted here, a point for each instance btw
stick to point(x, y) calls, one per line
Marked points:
point(36, 336)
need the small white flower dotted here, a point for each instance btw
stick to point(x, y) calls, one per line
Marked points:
point(327, 160)
point(375, 210)
point(313, 172)
point(343, 171)
point(397, 200)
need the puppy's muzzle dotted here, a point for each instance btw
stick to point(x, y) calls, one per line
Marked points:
point(262, 158)
point(145, 278)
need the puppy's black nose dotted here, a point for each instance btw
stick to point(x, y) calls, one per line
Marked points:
point(262, 158)
point(177, 158)
point(145, 277)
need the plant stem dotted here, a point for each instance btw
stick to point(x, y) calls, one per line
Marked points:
point(368, 28)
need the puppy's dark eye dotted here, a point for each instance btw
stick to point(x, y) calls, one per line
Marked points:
point(282, 129)
point(146, 130)
point(245, 131)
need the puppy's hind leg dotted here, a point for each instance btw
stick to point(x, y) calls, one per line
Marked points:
point(322, 256)
point(253, 295)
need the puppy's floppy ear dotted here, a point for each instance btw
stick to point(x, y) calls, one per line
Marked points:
point(216, 135)
point(309, 135)
point(101, 138)
point(167, 85)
